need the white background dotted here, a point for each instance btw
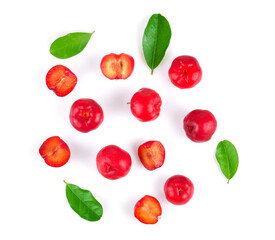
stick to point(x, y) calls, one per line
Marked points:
point(234, 43)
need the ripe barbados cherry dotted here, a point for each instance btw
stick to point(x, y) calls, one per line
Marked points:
point(115, 66)
point(55, 152)
point(178, 189)
point(185, 72)
point(199, 125)
point(145, 104)
point(147, 210)
point(61, 80)
point(86, 115)
point(113, 162)
point(151, 154)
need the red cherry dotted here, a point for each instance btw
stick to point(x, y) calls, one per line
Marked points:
point(55, 152)
point(178, 189)
point(61, 80)
point(145, 104)
point(185, 72)
point(86, 115)
point(148, 210)
point(151, 154)
point(113, 162)
point(115, 66)
point(200, 125)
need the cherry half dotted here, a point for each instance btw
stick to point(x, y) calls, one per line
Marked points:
point(151, 154)
point(55, 152)
point(117, 66)
point(148, 210)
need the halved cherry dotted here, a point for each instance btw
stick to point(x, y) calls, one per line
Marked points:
point(61, 80)
point(151, 154)
point(115, 66)
point(55, 152)
point(147, 210)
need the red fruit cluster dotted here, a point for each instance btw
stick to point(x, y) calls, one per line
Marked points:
point(113, 162)
point(178, 190)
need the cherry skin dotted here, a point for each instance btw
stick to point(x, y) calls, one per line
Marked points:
point(185, 72)
point(200, 125)
point(113, 162)
point(145, 104)
point(86, 115)
point(178, 189)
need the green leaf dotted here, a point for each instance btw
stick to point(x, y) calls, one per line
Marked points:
point(227, 157)
point(156, 39)
point(83, 203)
point(70, 44)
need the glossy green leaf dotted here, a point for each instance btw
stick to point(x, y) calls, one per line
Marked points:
point(156, 39)
point(227, 157)
point(83, 203)
point(70, 44)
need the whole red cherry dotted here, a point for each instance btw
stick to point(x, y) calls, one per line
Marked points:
point(86, 115)
point(178, 189)
point(113, 162)
point(185, 72)
point(145, 104)
point(199, 125)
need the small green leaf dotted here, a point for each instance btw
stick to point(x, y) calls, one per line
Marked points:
point(156, 39)
point(227, 157)
point(70, 44)
point(83, 203)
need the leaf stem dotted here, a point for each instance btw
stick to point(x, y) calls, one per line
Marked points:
point(152, 70)
point(65, 182)
point(228, 181)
